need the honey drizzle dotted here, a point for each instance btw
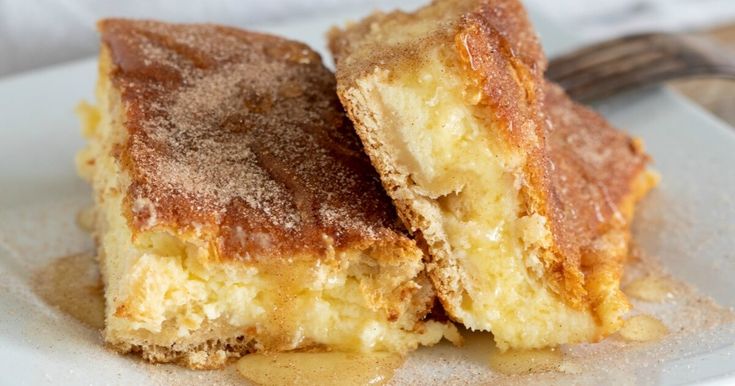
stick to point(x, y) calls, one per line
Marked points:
point(324, 368)
point(72, 285)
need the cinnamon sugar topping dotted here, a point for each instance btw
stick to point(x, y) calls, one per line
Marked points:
point(241, 132)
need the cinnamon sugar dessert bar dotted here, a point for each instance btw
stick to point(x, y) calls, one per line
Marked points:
point(522, 197)
point(235, 208)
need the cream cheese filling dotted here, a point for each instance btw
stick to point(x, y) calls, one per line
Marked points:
point(437, 135)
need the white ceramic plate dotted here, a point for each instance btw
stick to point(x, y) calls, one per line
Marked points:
point(689, 222)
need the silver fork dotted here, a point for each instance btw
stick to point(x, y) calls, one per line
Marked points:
point(637, 61)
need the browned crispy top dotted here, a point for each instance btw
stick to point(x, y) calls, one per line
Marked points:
point(578, 168)
point(241, 134)
point(400, 38)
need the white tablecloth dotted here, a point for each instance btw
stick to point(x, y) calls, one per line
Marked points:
point(35, 33)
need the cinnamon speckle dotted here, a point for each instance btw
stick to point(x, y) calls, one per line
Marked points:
point(243, 132)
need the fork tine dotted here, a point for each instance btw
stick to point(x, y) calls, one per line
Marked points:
point(614, 67)
point(598, 53)
point(647, 77)
point(638, 77)
point(637, 61)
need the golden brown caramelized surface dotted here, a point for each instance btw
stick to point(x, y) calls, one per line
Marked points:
point(240, 135)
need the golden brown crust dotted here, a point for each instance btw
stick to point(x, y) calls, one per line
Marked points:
point(502, 55)
point(585, 168)
point(205, 354)
point(595, 168)
point(578, 168)
point(596, 175)
point(240, 135)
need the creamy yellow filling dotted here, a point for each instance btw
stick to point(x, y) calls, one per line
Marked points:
point(167, 282)
point(439, 136)
point(163, 287)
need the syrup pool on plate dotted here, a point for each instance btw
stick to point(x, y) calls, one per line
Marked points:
point(72, 285)
point(651, 288)
point(319, 368)
point(513, 362)
point(643, 328)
